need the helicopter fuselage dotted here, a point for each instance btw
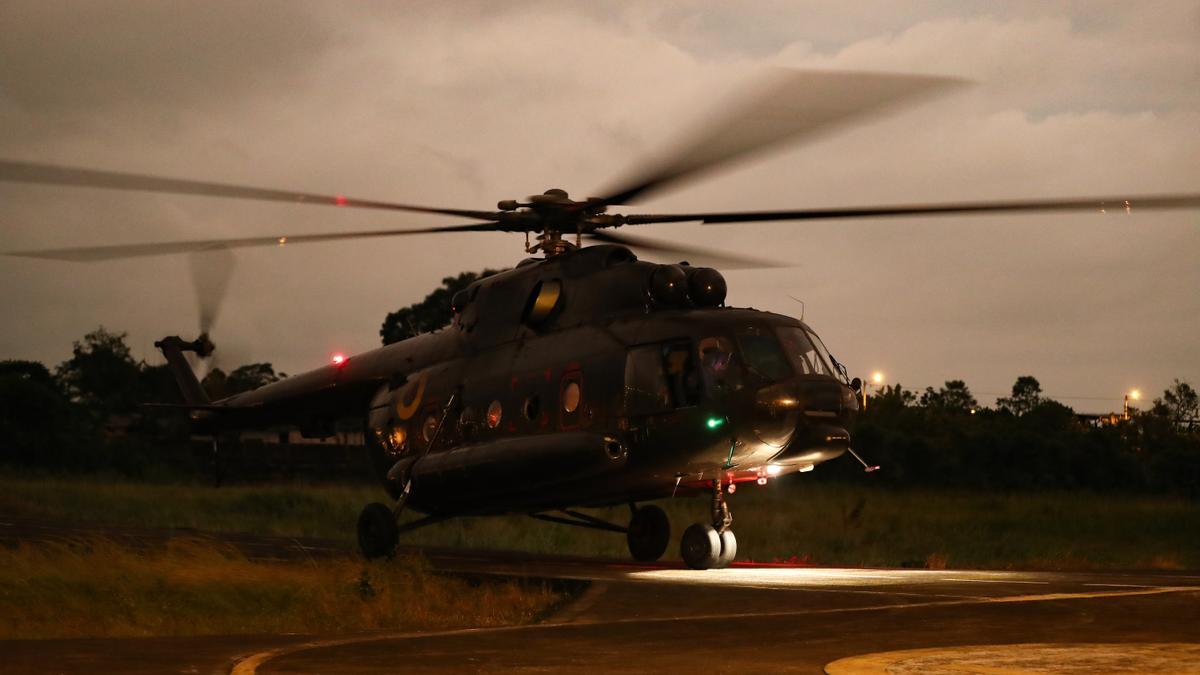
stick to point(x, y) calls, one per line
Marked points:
point(587, 378)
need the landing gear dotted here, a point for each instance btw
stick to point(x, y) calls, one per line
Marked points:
point(700, 546)
point(710, 546)
point(649, 533)
point(378, 534)
point(728, 549)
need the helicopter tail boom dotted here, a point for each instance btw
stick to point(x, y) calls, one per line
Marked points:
point(172, 349)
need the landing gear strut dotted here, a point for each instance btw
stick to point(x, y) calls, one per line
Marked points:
point(648, 533)
point(379, 529)
point(710, 546)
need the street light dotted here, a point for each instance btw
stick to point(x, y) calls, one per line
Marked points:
point(877, 378)
point(1131, 394)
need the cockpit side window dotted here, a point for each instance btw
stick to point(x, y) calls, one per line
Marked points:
point(762, 355)
point(717, 363)
point(803, 354)
point(660, 377)
point(683, 381)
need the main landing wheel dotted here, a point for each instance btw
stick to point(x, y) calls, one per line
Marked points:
point(377, 531)
point(649, 533)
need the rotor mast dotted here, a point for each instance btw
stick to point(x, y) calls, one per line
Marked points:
point(552, 215)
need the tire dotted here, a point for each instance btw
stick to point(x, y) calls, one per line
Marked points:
point(700, 546)
point(649, 533)
point(377, 531)
point(728, 549)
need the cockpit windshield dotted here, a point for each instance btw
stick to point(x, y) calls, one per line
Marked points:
point(761, 353)
point(803, 352)
point(839, 369)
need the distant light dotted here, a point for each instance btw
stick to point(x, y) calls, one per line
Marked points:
point(877, 377)
point(1135, 394)
point(339, 200)
point(973, 411)
point(282, 241)
point(773, 469)
point(715, 422)
point(337, 359)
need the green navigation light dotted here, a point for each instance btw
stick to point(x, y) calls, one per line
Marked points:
point(715, 422)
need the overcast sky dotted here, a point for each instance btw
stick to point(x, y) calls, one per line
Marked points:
point(464, 103)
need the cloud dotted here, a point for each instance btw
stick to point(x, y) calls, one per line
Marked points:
point(467, 103)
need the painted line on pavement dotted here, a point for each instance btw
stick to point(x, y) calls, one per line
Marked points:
point(250, 664)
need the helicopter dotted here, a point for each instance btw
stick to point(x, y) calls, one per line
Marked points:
point(583, 376)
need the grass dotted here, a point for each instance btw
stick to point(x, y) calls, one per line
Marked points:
point(198, 588)
point(800, 519)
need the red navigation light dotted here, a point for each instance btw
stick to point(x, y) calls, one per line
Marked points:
point(338, 359)
point(339, 200)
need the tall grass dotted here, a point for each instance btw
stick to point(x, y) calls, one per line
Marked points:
point(197, 588)
point(800, 519)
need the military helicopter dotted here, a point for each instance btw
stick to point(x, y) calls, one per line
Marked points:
point(582, 377)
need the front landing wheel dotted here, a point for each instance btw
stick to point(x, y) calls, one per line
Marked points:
point(700, 546)
point(728, 549)
point(377, 531)
point(649, 533)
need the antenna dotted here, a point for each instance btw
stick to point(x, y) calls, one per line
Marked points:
point(801, 305)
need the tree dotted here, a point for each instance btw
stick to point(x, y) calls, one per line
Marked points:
point(38, 424)
point(1179, 403)
point(215, 384)
point(251, 376)
point(431, 313)
point(1026, 395)
point(101, 374)
point(954, 397)
point(891, 398)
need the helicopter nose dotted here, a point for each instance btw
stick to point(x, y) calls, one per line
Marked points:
point(784, 409)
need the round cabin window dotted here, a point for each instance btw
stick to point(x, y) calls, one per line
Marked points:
point(495, 411)
point(429, 428)
point(571, 397)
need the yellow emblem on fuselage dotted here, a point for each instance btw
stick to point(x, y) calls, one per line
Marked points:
point(417, 390)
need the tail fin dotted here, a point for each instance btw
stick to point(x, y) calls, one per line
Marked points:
point(173, 348)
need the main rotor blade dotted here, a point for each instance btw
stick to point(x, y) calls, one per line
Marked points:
point(96, 253)
point(789, 105)
point(46, 174)
point(1100, 204)
point(695, 255)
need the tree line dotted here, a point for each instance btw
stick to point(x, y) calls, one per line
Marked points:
point(85, 415)
point(944, 438)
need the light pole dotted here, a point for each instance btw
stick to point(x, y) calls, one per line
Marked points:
point(1131, 394)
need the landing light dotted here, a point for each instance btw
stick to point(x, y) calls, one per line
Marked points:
point(773, 469)
point(715, 422)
